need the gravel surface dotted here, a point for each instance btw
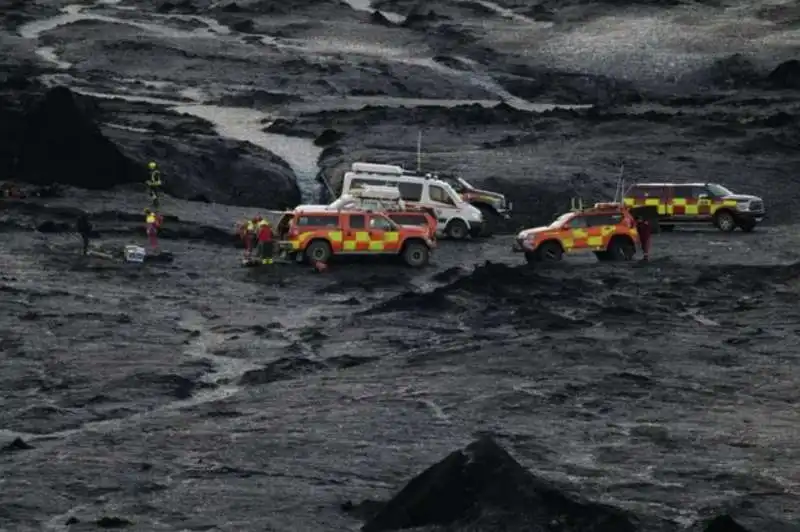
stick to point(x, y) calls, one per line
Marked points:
point(198, 395)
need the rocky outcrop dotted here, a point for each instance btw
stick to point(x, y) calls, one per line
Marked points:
point(57, 136)
point(483, 488)
point(59, 143)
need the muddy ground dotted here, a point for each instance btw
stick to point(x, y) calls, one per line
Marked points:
point(200, 396)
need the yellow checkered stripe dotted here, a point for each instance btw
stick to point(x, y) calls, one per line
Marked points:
point(362, 241)
point(646, 202)
point(727, 204)
point(583, 238)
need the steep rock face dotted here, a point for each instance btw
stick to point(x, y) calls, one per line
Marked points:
point(482, 486)
point(56, 136)
point(60, 143)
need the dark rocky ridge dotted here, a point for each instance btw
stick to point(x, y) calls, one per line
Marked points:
point(194, 162)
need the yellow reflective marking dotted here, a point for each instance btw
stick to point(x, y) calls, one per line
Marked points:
point(652, 201)
point(580, 233)
point(607, 229)
point(335, 236)
point(679, 201)
point(349, 245)
point(391, 236)
point(692, 209)
point(595, 241)
point(567, 243)
point(362, 236)
point(376, 245)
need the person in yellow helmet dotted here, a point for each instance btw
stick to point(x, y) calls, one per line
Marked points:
point(154, 182)
point(153, 221)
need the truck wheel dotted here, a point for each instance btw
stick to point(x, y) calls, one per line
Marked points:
point(724, 221)
point(416, 254)
point(530, 257)
point(318, 251)
point(621, 249)
point(549, 252)
point(602, 256)
point(457, 230)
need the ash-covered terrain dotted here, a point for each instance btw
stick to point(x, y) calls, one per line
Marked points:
point(582, 397)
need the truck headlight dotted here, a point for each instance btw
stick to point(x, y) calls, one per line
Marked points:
point(743, 205)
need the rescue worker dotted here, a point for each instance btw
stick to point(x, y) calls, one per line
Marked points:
point(245, 231)
point(84, 228)
point(644, 229)
point(154, 182)
point(264, 249)
point(153, 221)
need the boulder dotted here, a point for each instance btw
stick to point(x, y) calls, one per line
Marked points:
point(61, 144)
point(484, 488)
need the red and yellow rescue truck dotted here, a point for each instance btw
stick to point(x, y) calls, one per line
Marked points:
point(317, 234)
point(697, 203)
point(607, 229)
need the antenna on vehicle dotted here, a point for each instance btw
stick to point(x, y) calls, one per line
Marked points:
point(620, 190)
point(419, 151)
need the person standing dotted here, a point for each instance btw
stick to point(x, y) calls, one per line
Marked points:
point(154, 182)
point(645, 231)
point(153, 221)
point(84, 227)
point(264, 250)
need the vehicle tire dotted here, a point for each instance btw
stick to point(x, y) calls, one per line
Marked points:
point(490, 220)
point(602, 256)
point(549, 252)
point(747, 227)
point(621, 249)
point(457, 230)
point(725, 221)
point(531, 258)
point(416, 254)
point(319, 251)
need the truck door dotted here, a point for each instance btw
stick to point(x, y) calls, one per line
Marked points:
point(384, 236)
point(443, 205)
point(356, 237)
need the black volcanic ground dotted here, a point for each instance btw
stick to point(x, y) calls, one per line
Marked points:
point(584, 397)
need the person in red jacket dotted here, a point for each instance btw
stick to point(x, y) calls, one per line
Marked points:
point(264, 235)
point(644, 229)
point(153, 221)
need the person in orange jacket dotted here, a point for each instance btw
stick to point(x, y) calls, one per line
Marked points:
point(153, 221)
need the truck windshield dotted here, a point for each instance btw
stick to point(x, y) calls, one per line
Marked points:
point(464, 184)
point(561, 220)
point(718, 190)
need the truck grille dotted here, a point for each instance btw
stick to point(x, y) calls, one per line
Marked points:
point(757, 206)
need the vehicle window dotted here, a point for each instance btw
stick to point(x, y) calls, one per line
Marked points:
point(439, 194)
point(379, 223)
point(318, 221)
point(410, 191)
point(641, 191)
point(457, 185)
point(408, 219)
point(357, 221)
point(598, 220)
point(577, 223)
point(359, 183)
point(700, 191)
point(684, 192)
point(718, 191)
